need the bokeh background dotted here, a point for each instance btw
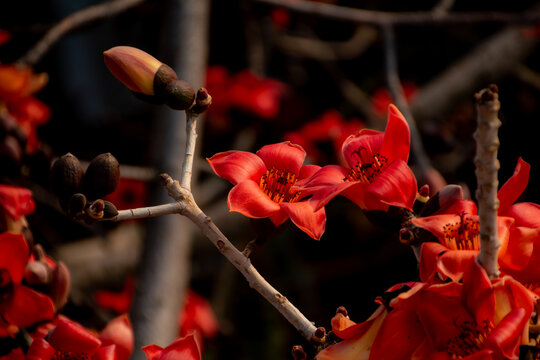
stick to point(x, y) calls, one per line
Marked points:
point(297, 69)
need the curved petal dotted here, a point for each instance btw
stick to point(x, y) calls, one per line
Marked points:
point(463, 206)
point(28, 307)
point(514, 186)
point(305, 218)
point(186, 348)
point(352, 190)
point(429, 255)
point(108, 352)
point(152, 352)
point(396, 186)
point(477, 295)
point(505, 338)
point(396, 324)
point(237, 166)
point(248, 199)
point(307, 170)
point(279, 218)
point(16, 201)
point(41, 349)
point(453, 263)
point(13, 255)
point(362, 146)
point(342, 326)
point(397, 136)
point(70, 336)
point(516, 252)
point(120, 333)
point(435, 224)
point(525, 214)
point(284, 156)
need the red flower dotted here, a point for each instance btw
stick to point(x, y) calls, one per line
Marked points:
point(377, 174)
point(120, 333)
point(197, 317)
point(185, 348)
point(69, 340)
point(382, 97)
point(20, 306)
point(16, 201)
point(263, 185)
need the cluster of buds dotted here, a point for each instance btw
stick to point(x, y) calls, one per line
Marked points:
point(81, 192)
point(153, 81)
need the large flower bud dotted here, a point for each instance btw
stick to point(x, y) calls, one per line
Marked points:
point(136, 69)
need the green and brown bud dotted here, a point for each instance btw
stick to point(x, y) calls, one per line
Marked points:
point(134, 68)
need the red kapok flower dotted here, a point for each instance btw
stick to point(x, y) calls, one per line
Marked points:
point(263, 185)
point(185, 348)
point(16, 201)
point(69, 340)
point(20, 306)
point(120, 333)
point(377, 175)
point(197, 317)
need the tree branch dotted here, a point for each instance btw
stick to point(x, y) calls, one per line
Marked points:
point(191, 141)
point(73, 21)
point(487, 165)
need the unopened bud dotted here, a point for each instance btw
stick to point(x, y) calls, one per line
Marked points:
point(60, 285)
point(76, 205)
point(102, 176)
point(203, 100)
point(406, 236)
point(179, 95)
point(134, 68)
point(37, 273)
point(298, 353)
point(66, 176)
point(443, 199)
point(341, 310)
point(424, 191)
point(319, 335)
point(109, 210)
point(95, 210)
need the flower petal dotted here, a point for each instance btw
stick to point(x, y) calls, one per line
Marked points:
point(396, 186)
point(284, 156)
point(309, 221)
point(16, 201)
point(453, 263)
point(397, 136)
point(248, 199)
point(70, 336)
point(13, 255)
point(186, 348)
point(477, 294)
point(41, 349)
point(505, 338)
point(362, 146)
point(237, 166)
point(516, 252)
point(108, 352)
point(514, 186)
point(28, 307)
point(119, 332)
point(152, 352)
point(525, 214)
point(308, 170)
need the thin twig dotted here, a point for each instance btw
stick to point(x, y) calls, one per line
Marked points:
point(380, 18)
point(191, 141)
point(190, 209)
point(147, 212)
point(394, 84)
point(73, 21)
point(487, 165)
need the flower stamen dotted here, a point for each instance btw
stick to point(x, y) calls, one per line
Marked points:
point(276, 183)
point(470, 340)
point(462, 235)
point(366, 171)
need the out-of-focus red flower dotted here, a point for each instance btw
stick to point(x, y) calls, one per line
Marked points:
point(20, 306)
point(69, 340)
point(4, 36)
point(329, 127)
point(263, 184)
point(117, 301)
point(382, 97)
point(119, 332)
point(17, 82)
point(130, 194)
point(377, 174)
point(244, 91)
point(185, 348)
point(280, 17)
point(16, 201)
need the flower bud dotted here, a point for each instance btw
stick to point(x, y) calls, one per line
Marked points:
point(135, 68)
point(298, 353)
point(444, 198)
point(102, 176)
point(179, 95)
point(96, 209)
point(319, 335)
point(203, 101)
point(65, 177)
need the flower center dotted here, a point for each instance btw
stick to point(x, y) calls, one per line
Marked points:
point(277, 183)
point(367, 167)
point(68, 355)
point(462, 235)
point(470, 340)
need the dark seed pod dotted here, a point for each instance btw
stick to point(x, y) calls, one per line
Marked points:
point(109, 210)
point(102, 176)
point(76, 205)
point(179, 95)
point(164, 75)
point(66, 176)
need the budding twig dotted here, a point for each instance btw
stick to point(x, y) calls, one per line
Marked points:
point(487, 165)
point(73, 21)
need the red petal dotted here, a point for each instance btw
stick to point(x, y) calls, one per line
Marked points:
point(525, 214)
point(41, 349)
point(284, 156)
point(119, 332)
point(307, 170)
point(435, 224)
point(397, 136)
point(13, 255)
point(70, 336)
point(362, 146)
point(309, 221)
point(477, 295)
point(505, 338)
point(185, 348)
point(396, 186)
point(279, 218)
point(429, 255)
point(152, 352)
point(342, 326)
point(459, 207)
point(248, 199)
point(516, 252)
point(16, 201)
point(237, 166)
point(454, 262)
point(108, 352)
point(402, 331)
point(514, 187)
point(198, 315)
point(28, 307)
